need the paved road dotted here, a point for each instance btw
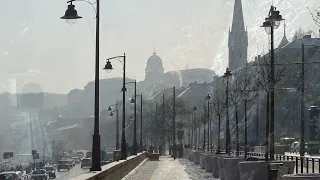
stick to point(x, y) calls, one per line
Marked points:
point(74, 172)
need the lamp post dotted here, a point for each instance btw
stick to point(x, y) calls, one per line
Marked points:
point(134, 101)
point(193, 133)
point(141, 142)
point(72, 14)
point(117, 122)
point(174, 124)
point(109, 67)
point(271, 23)
point(208, 98)
point(226, 75)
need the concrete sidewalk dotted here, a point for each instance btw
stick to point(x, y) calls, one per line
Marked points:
point(164, 169)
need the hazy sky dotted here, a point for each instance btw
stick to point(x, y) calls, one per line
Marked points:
point(184, 32)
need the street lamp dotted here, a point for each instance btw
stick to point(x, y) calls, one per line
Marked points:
point(271, 23)
point(208, 98)
point(227, 74)
point(141, 143)
point(117, 122)
point(108, 67)
point(193, 135)
point(133, 101)
point(72, 14)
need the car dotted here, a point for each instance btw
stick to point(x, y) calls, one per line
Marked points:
point(63, 164)
point(40, 174)
point(12, 175)
point(71, 163)
point(50, 171)
point(86, 162)
point(76, 160)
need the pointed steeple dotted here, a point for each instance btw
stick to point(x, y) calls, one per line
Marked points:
point(284, 40)
point(238, 39)
point(238, 20)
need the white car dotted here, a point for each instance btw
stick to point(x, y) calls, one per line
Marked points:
point(12, 175)
point(40, 174)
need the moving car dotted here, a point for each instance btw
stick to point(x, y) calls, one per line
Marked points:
point(88, 154)
point(40, 174)
point(12, 175)
point(76, 160)
point(63, 164)
point(86, 162)
point(50, 171)
point(71, 163)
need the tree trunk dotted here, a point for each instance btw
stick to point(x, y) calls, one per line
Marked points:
point(204, 137)
point(237, 132)
point(245, 130)
point(267, 129)
point(219, 126)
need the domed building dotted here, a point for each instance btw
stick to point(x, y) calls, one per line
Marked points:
point(154, 69)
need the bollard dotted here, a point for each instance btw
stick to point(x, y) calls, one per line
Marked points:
point(197, 157)
point(202, 160)
point(231, 168)
point(208, 163)
point(215, 166)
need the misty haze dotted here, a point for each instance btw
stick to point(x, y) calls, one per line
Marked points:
point(159, 89)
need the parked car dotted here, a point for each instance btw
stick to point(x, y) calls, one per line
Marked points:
point(50, 171)
point(40, 174)
point(85, 162)
point(63, 164)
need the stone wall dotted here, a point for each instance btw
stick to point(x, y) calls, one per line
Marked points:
point(115, 170)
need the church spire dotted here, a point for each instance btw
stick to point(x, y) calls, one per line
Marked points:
point(238, 39)
point(238, 20)
point(284, 40)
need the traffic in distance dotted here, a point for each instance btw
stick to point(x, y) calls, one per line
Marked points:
point(62, 167)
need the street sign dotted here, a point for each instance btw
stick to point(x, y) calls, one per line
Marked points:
point(7, 155)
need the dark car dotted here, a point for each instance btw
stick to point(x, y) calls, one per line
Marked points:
point(50, 171)
point(85, 162)
point(63, 164)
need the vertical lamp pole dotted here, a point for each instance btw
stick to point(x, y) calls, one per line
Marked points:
point(71, 14)
point(208, 98)
point(194, 129)
point(174, 124)
point(162, 127)
point(227, 74)
point(108, 67)
point(302, 143)
point(204, 133)
point(141, 142)
point(135, 120)
point(271, 23)
point(117, 123)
